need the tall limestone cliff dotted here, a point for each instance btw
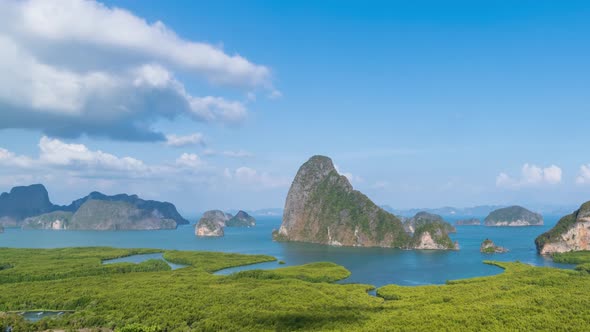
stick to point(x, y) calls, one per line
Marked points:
point(571, 232)
point(322, 207)
point(23, 202)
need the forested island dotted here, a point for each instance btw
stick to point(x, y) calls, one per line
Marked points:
point(322, 207)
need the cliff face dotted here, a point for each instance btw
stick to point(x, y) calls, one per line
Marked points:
point(165, 209)
point(116, 215)
point(57, 220)
point(322, 207)
point(513, 216)
point(23, 202)
point(241, 219)
point(212, 223)
point(572, 232)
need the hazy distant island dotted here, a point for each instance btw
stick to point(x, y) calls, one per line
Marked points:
point(571, 233)
point(213, 222)
point(489, 247)
point(30, 208)
point(513, 216)
point(322, 207)
point(480, 210)
point(468, 222)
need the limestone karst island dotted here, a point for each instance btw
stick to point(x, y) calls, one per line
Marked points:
point(178, 166)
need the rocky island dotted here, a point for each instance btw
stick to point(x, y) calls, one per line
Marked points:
point(468, 222)
point(571, 233)
point(322, 207)
point(241, 219)
point(513, 216)
point(30, 208)
point(213, 222)
point(489, 247)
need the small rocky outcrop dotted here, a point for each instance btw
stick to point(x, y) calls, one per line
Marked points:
point(488, 247)
point(468, 222)
point(241, 219)
point(322, 207)
point(513, 216)
point(571, 233)
point(212, 223)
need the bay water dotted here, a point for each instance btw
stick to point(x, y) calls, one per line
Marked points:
point(374, 266)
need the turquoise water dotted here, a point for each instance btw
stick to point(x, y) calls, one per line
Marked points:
point(142, 258)
point(375, 266)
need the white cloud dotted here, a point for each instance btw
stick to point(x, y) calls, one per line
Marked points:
point(56, 152)
point(531, 175)
point(180, 141)
point(190, 160)
point(228, 153)
point(584, 175)
point(252, 177)
point(68, 69)
point(352, 178)
point(8, 158)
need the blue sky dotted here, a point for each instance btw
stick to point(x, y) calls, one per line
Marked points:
point(420, 103)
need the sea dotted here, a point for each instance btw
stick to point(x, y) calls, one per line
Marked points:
point(374, 266)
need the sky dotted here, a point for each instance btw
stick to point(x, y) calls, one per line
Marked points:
point(215, 105)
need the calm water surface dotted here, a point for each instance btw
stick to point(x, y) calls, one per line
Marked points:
point(373, 266)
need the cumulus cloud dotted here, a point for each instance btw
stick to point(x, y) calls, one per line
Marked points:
point(68, 70)
point(77, 163)
point(531, 175)
point(180, 141)
point(584, 175)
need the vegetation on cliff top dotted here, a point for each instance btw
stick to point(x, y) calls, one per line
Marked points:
point(521, 298)
point(562, 226)
point(512, 214)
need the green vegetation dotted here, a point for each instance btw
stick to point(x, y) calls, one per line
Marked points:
point(336, 198)
point(523, 297)
point(438, 232)
point(572, 257)
point(512, 214)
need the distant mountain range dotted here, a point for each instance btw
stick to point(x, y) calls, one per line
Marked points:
point(30, 207)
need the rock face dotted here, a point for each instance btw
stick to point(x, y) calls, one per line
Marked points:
point(488, 247)
point(164, 209)
point(57, 220)
point(468, 222)
point(241, 219)
point(212, 223)
point(100, 215)
point(23, 202)
point(322, 207)
point(513, 216)
point(571, 233)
